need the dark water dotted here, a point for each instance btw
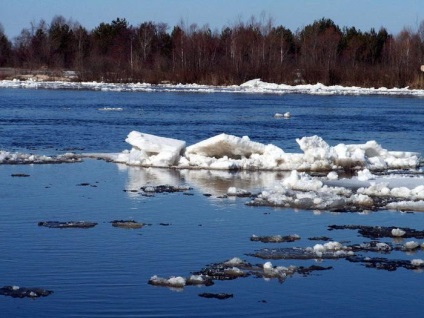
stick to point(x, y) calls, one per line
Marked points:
point(103, 271)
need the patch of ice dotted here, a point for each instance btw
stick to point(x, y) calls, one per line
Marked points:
point(151, 150)
point(417, 262)
point(407, 206)
point(173, 281)
point(332, 175)
point(234, 261)
point(228, 152)
point(411, 245)
point(398, 232)
point(365, 175)
point(252, 86)
point(7, 157)
point(234, 272)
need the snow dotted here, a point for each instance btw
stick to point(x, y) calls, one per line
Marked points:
point(252, 86)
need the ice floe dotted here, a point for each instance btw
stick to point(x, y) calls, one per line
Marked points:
point(294, 182)
point(7, 157)
point(302, 191)
point(299, 188)
point(150, 150)
point(24, 292)
point(228, 152)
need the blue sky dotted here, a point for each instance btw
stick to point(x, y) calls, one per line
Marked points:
point(293, 14)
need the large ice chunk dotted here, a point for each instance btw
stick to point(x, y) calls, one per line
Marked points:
point(226, 145)
point(320, 156)
point(150, 150)
point(228, 152)
point(231, 152)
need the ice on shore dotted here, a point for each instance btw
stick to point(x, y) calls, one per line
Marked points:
point(252, 86)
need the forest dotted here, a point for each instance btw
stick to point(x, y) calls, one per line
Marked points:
point(156, 53)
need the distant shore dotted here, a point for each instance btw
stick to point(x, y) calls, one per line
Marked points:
point(40, 81)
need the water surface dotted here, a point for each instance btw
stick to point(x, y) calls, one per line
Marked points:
point(103, 271)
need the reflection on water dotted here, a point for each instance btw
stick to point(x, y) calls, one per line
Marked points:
point(104, 271)
point(214, 182)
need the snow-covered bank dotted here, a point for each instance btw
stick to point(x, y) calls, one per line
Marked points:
point(252, 86)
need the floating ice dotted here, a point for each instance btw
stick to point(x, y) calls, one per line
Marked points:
point(417, 262)
point(411, 245)
point(365, 175)
point(275, 238)
point(197, 280)
point(332, 175)
point(336, 248)
point(234, 192)
point(234, 261)
point(398, 232)
point(299, 190)
point(234, 272)
point(7, 157)
point(173, 281)
point(150, 150)
point(277, 271)
point(286, 115)
point(22, 292)
point(111, 109)
point(406, 206)
point(228, 152)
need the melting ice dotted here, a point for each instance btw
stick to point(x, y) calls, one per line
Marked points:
point(228, 152)
point(367, 190)
point(299, 189)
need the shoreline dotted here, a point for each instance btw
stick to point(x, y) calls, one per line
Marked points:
point(255, 86)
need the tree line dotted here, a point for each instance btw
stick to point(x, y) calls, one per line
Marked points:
point(154, 53)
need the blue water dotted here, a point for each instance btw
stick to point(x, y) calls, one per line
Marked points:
point(60, 120)
point(103, 271)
